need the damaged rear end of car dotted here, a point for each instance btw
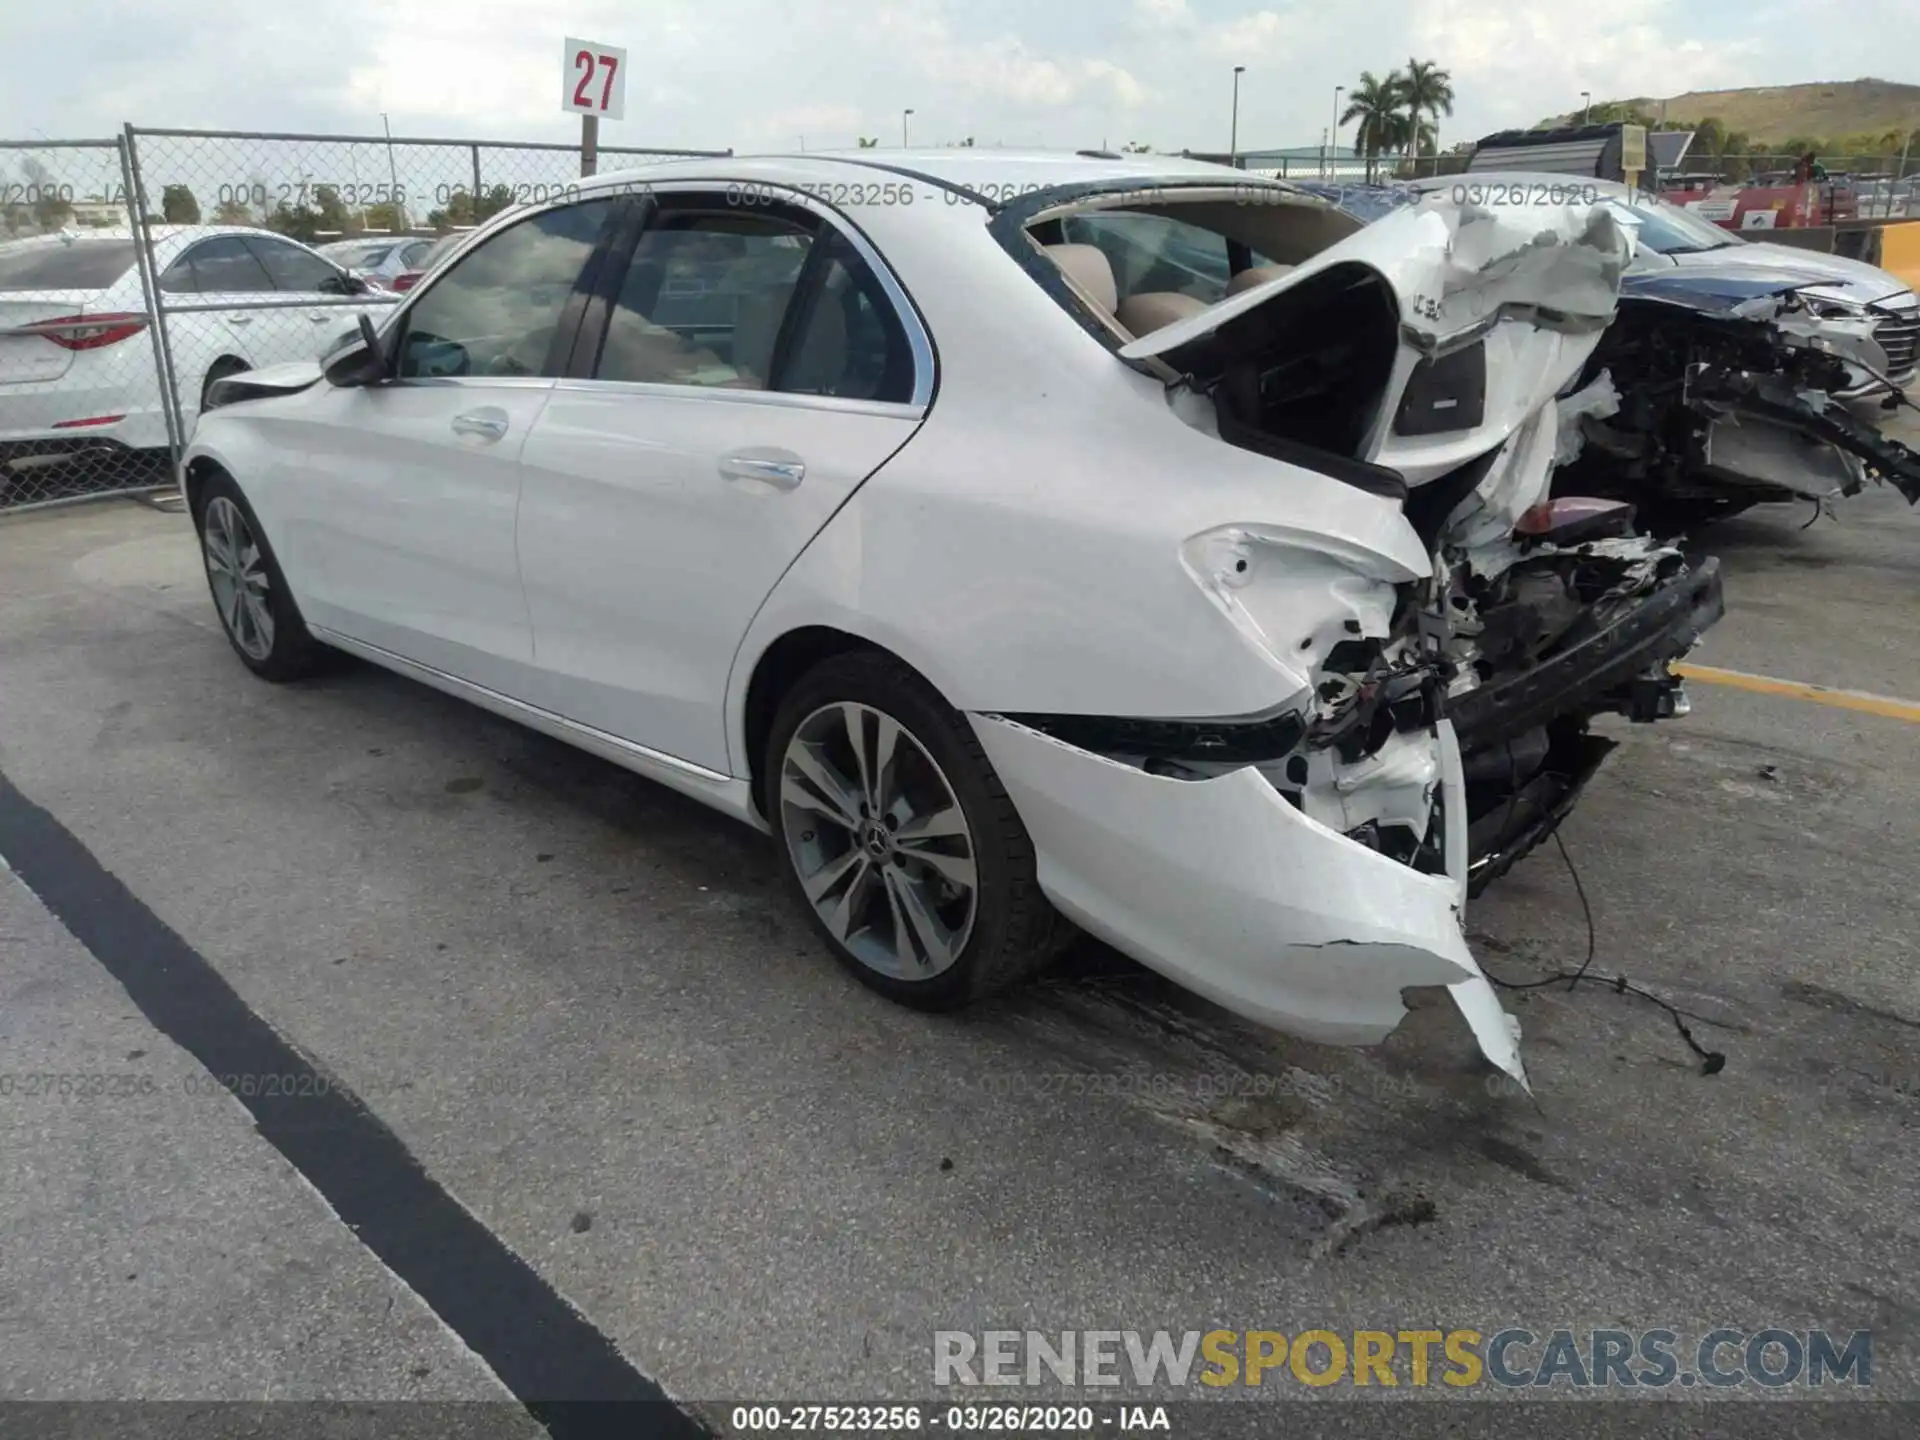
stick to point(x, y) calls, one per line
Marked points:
point(1305, 864)
point(1419, 359)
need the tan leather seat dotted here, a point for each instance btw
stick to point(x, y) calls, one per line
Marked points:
point(1152, 309)
point(1090, 271)
point(1255, 275)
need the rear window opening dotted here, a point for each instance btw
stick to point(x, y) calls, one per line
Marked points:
point(55, 264)
point(1301, 377)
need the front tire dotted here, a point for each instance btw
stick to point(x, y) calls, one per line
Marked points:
point(250, 594)
point(899, 839)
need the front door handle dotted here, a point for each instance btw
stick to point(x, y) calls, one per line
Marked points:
point(780, 469)
point(239, 319)
point(488, 423)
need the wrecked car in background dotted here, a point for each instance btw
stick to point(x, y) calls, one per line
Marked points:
point(1243, 638)
point(1731, 376)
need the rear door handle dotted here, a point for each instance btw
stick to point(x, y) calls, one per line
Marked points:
point(488, 423)
point(239, 319)
point(780, 469)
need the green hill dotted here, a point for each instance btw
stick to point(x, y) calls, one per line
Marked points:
point(1778, 112)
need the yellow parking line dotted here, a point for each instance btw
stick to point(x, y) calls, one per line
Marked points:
point(1797, 690)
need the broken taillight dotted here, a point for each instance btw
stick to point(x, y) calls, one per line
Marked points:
point(1573, 518)
point(86, 332)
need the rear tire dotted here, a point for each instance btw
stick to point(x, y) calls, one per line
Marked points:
point(898, 838)
point(250, 594)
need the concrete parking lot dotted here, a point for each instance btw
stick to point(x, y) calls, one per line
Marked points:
point(614, 1064)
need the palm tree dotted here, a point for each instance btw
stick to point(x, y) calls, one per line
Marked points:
point(1376, 104)
point(1425, 89)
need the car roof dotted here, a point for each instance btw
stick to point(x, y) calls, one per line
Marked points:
point(965, 166)
point(158, 232)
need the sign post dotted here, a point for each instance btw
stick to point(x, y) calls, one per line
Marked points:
point(1633, 153)
point(593, 85)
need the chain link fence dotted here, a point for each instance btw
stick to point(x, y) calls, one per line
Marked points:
point(135, 271)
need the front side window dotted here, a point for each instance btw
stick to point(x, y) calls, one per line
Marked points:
point(703, 300)
point(497, 309)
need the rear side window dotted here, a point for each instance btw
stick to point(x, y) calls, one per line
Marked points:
point(51, 265)
point(766, 300)
point(703, 300)
point(845, 338)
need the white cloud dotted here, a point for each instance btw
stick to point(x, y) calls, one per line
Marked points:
point(759, 73)
point(1532, 59)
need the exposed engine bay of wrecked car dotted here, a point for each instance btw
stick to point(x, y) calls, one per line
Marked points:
point(1705, 399)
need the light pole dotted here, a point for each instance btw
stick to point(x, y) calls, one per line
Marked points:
point(1335, 148)
point(393, 174)
point(1233, 142)
point(1586, 115)
point(903, 127)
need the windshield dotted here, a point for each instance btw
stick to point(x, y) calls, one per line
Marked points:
point(43, 264)
point(1667, 229)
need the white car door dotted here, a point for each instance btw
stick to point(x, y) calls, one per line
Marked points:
point(753, 367)
point(402, 520)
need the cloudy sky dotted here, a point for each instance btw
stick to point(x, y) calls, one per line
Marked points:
point(761, 74)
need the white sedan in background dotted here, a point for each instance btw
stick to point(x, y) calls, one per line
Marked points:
point(77, 376)
point(1002, 577)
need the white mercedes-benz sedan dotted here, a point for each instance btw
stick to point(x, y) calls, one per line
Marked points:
point(1016, 538)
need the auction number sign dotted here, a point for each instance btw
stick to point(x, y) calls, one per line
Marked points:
point(593, 79)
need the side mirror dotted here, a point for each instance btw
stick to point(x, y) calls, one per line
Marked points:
point(358, 360)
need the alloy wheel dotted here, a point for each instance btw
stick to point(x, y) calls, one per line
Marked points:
point(237, 572)
point(879, 841)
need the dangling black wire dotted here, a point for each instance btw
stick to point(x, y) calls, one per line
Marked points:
point(1712, 1062)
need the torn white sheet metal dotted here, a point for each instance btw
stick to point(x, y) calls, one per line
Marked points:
point(1597, 399)
point(1537, 285)
point(1225, 888)
point(1481, 529)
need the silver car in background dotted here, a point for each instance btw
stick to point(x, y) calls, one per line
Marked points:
point(379, 259)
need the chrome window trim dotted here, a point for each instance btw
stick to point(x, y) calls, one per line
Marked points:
point(785, 399)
